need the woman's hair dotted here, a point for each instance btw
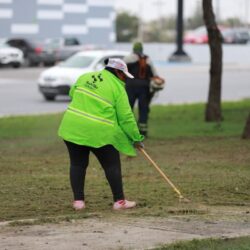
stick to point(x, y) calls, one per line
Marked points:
point(113, 71)
point(106, 61)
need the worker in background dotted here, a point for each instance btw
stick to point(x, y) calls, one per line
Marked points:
point(138, 88)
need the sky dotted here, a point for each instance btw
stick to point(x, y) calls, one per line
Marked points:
point(151, 9)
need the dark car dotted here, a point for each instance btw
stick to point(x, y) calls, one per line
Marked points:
point(34, 52)
point(235, 36)
point(62, 48)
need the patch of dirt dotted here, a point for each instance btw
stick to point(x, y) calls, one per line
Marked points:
point(122, 232)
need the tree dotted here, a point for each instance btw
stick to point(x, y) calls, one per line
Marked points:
point(232, 22)
point(213, 107)
point(126, 27)
point(160, 30)
point(246, 132)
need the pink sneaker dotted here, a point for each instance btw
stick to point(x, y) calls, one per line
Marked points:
point(123, 204)
point(79, 205)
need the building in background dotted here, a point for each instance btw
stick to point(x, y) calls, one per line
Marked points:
point(91, 21)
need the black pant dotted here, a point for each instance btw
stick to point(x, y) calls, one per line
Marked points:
point(142, 93)
point(109, 159)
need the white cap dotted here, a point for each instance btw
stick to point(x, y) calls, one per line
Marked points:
point(119, 64)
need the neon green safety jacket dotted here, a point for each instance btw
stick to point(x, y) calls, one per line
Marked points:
point(99, 114)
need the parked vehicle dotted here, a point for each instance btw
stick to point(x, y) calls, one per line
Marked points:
point(236, 36)
point(10, 56)
point(197, 36)
point(61, 49)
point(34, 52)
point(58, 79)
point(63, 41)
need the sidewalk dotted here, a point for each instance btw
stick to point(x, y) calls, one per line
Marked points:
point(120, 232)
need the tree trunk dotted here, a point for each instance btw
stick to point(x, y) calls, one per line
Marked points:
point(246, 132)
point(213, 107)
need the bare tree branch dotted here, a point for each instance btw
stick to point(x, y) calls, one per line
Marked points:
point(213, 107)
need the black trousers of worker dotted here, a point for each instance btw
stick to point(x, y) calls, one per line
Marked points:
point(109, 159)
point(141, 93)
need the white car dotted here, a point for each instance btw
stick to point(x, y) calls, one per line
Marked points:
point(10, 56)
point(58, 79)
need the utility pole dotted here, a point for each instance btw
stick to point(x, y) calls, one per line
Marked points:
point(246, 12)
point(140, 24)
point(179, 55)
point(160, 4)
point(217, 11)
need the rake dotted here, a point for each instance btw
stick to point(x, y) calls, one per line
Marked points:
point(181, 197)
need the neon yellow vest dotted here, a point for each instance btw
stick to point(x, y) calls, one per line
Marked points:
point(99, 114)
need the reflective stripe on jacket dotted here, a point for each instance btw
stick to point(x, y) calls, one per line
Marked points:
point(99, 114)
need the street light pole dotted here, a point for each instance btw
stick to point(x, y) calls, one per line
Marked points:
point(159, 4)
point(179, 55)
point(218, 11)
point(140, 24)
point(246, 12)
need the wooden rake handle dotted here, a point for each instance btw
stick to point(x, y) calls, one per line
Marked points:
point(161, 172)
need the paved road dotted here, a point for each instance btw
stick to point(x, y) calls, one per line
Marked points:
point(186, 83)
point(199, 53)
point(19, 93)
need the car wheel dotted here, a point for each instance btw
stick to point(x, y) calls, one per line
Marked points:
point(30, 63)
point(48, 64)
point(16, 65)
point(27, 62)
point(34, 64)
point(49, 97)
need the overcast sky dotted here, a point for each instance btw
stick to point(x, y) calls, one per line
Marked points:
point(151, 9)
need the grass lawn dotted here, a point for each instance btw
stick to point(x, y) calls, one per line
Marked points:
point(207, 161)
point(242, 243)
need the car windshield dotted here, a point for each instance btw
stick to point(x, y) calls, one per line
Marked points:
point(53, 43)
point(78, 61)
point(4, 45)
